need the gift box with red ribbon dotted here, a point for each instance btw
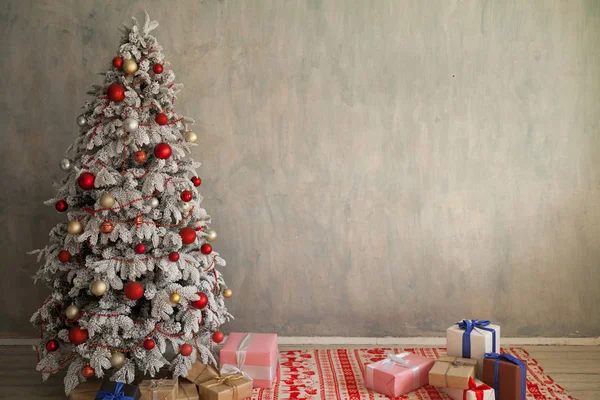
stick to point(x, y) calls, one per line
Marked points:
point(477, 391)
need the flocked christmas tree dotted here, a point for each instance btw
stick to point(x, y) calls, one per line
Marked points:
point(133, 278)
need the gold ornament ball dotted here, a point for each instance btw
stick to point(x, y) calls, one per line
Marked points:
point(174, 298)
point(227, 293)
point(117, 360)
point(190, 136)
point(212, 235)
point(74, 227)
point(99, 288)
point(106, 227)
point(72, 312)
point(107, 200)
point(130, 66)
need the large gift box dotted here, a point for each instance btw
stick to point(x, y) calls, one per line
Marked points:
point(507, 375)
point(200, 373)
point(398, 374)
point(452, 372)
point(254, 354)
point(229, 387)
point(187, 391)
point(117, 390)
point(472, 338)
point(86, 390)
point(159, 389)
point(477, 391)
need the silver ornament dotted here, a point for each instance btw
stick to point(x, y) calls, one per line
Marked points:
point(81, 121)
point(212, 235)
point(153, 202)
point(184, 206)
point(130, 125)
point(65, 164)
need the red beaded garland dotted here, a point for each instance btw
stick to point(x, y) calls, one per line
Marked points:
point(139, 248)
point(149, 344)
point(173, 256)
point(157, 68)
point(206, 249)
point(115, 92)
point(64, 256)
point(186, 196)
point(51, 345)
point(201, 302)
point(161, 119)
point(196, 181)
point(134, 290)
point(117, 62)
point(188, 235)
point(86, 180)
point(61, 206)
point(162, 151)
point(218, 336)
point(185, 349)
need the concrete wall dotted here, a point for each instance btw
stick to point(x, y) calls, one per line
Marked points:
point(372, 167)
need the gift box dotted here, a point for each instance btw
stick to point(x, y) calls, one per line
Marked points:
point(472, 338)
point(477, 391)
point(254, 354)
point(200, 373)
point(229, 387)
point(506, 374)
point(452, 372)
point(159, 389)
point(86, 390)
point(117, 390)
point(398, 374)
point(187, 391)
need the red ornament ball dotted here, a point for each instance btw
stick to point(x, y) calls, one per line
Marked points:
point(218, 337)
point(51, 345)
point(86, 180)
point(149, 344)
point(196, 181)
point(186, 195)
point(117, 62)
point(173, 256)
point(206, 249)
point(201, 302)
point(116, 92)
point(139, 248)
point(134, 290)
point(157, 68)
point(161, 119)
point(88, 371)
point(185, 349)
point(78, 335)
point(64, 256)
point(188, 235)
point(61, 206)
point(140, 156)
point(162, 151)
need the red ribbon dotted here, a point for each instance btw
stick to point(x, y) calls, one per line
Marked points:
point(478, 390)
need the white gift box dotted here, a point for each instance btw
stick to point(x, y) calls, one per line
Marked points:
point(478, 336)
point(471, 394)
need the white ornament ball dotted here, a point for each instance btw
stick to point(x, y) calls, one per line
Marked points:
point(184, 206)
point(98, 288)
point(81, 121)
point(117, 360)
point(153, 202)
point(211, 235)
point(130, 125)
point(65, 164)
point(190, 137)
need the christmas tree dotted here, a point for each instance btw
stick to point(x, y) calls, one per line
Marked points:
point(133, 276)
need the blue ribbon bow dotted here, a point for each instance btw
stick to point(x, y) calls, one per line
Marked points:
point(468, 325)
point(118, 394)
point(511, 359)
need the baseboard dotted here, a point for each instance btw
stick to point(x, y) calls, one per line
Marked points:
point(387, 341)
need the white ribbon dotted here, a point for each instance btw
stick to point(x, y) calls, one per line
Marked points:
point(230, 369)
point(387, 364)
point(249, 371)
point(240, 353)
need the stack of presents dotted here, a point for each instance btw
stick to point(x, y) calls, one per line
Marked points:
point(473, 369)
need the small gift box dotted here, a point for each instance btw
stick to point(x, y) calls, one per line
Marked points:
point(159, 389)
point(229, 387)
point(472, 338)
point(452, 372)
point(477, 391)
point(254, 354)
point(200, 373)
point(507, 375)
point(187, 391)
point(86, 390)
point(117, 390)
point(398, 374)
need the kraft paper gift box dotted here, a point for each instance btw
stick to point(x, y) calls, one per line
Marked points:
point(507, 375)
point(159, 389)
point(229, 387)
point(254, 354)
point(117, 390)
point(477, 391)
point(200, 373)
point(398, 374)
point(187, 391)
point(452, 372)
point(472, 338)
point(86, 390)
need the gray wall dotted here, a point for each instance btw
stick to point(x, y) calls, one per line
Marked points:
point(372, 167)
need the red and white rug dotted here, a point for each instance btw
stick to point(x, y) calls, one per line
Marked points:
point(337, 374)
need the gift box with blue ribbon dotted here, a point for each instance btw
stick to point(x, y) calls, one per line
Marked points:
point(507, 375)
point(118, 391)
point(472, 338)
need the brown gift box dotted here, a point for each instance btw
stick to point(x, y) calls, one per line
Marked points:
point(159, 389)
point(509, 378)
point(200, 373)
point(187, 391)
point(229, 387)
point(452, 372)
point(86, 390)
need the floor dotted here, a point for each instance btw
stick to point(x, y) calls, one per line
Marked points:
point(576, 368)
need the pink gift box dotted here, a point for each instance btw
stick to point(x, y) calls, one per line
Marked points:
point(254, 354)
point(395, 378)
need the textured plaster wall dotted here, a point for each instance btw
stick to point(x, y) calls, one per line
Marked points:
point(372, 167)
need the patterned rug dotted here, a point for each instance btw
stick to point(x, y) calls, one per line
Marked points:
point(330, 374)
